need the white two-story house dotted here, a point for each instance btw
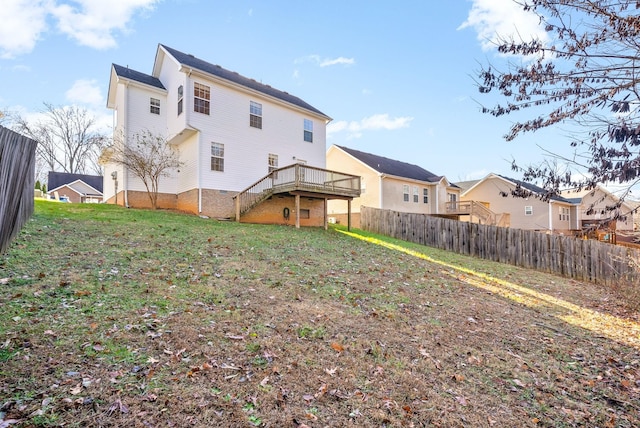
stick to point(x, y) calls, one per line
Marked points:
point(230, 132)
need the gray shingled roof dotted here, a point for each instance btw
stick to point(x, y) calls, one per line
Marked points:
point(393, 167)
point(535, 189)
point(215, 70)
point(57, 179)
point(128, 73)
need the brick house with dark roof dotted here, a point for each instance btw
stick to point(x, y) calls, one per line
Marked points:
point(76, 188)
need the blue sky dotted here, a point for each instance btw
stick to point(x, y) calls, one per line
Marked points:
point(396, 77)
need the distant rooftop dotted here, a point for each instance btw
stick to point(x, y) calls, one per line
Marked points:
point(393, 167)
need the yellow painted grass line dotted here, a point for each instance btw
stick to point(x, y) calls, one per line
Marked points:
point(612, 327)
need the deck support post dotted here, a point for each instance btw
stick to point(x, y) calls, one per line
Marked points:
point(297, 211)
point(238, 207)
point(326, 226)
point(349, 214)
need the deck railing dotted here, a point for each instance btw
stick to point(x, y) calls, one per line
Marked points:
point(472, 208)
point(297, 177)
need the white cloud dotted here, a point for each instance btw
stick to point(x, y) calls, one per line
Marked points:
point(376, 122)
point(89, 22)
point(496, 19)
point(23, 21)
point(92, 22)
point(325, 62)
point(85, 92)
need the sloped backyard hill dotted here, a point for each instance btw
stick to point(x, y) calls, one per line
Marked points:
point(114, 317)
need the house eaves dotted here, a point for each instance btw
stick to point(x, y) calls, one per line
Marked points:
point(393, 168)
point(190, 64)
point(120, 74)
point(532, 188)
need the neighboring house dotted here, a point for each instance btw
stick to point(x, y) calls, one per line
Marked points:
point(558, 215)
point(593, 208)
point(390, 184)
point(78, 188)
point(230, 132)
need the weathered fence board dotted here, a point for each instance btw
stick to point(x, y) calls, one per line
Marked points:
point(17, 168)
point(585, 260)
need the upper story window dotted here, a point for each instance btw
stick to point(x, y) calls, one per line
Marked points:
point(201, 97)
point(425, 195)
point(416, 196)
point(528, 210)
point(180, 99)
point(564, 214)
point(255, 115)
point(217, 157)
point(154, 106)
point(308, 130)
point(405, 192)
point(273, 162)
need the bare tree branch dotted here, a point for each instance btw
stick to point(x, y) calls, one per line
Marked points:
point(148, 156)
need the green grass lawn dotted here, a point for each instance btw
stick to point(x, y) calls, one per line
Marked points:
point(120, 317)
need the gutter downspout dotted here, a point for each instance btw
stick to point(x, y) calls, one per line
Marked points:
point(551, 216)
point(381, 177)
point(187, 112)
point(125, 173)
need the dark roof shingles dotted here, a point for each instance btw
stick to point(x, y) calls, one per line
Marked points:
point(393, 167)
point(128, 73)
point(216, 70)
point(57, 179)
point(535, 189)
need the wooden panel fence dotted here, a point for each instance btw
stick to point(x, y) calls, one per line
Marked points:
point(17, 168)
point(585, 260)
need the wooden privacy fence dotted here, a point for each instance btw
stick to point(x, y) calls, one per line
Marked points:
point(17, 168)
point(585, 260)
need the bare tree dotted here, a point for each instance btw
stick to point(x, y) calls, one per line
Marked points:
point(67, 137)
point(586, 79)
point(148, 156)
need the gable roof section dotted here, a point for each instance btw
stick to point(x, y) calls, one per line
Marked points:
point(58, 179)
point(191, 61)
point(136, 76)
point(125, 74)
point(393, 167)
point(578, 196)
point(534, 189)
point(466, 185)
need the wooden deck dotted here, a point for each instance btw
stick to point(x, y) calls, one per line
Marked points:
point(300, 181)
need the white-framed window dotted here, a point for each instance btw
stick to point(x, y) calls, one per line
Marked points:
point(528, 210)
point(273, 162)
point(308, 130)
point(217, 157)
point(416, 195)
point(255, 115)
point(564, 214)
point(154, 105)
point(405, 192)
point(201, 97)
point(425, 195)
point(180, 99)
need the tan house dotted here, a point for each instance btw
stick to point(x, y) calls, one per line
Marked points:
point(597, 206)
point(389, 184)
point(558, 215)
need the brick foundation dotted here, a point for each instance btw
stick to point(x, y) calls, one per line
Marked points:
point(271, 212)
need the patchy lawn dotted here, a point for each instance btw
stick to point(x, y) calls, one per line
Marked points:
point(114, 317)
